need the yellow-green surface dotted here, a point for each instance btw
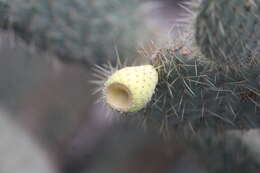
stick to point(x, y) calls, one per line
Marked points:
point(131, 88)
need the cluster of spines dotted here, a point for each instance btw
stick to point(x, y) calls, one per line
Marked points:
point(221, 92)
point(191, 94)
point(227, 32)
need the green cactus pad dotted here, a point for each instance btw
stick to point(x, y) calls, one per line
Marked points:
point(190, 94)
point(79, 30)
point(228, 33)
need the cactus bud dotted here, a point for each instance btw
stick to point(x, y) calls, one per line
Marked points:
point(131, 88)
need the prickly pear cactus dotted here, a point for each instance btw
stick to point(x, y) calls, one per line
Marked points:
point(82, 30)
point(191, 95)
point(227, 32)
point(194, 94)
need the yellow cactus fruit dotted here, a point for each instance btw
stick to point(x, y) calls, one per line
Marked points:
point(131, 88)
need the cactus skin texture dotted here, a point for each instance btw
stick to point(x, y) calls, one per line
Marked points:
point(131, 88)
point(191, 95)
point(227, 32)
point(81, 31)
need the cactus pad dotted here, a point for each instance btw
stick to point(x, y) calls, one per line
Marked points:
point(227, 32)
point(82, 31)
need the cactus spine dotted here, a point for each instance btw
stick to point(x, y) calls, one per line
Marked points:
point(227, 32)
point(190, 94)
point(195, 94)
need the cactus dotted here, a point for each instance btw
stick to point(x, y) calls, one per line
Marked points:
point(228, 32)
point(81, 31)
point(190, 94)
point(183, 93)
